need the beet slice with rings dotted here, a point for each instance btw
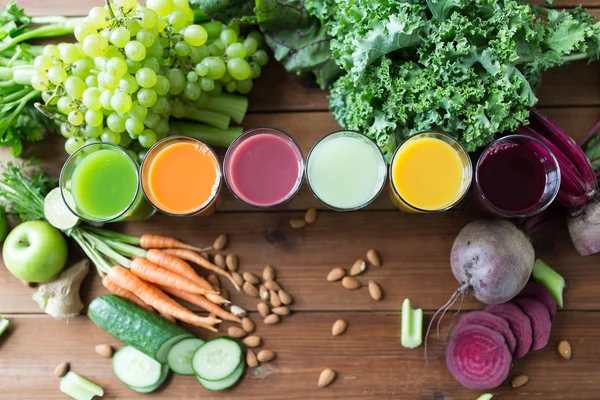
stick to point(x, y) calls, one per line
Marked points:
point(519, 323)
point(539, 292)
point(492, 322)
point(541, 323)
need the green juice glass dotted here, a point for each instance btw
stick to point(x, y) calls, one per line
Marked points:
point(100, 182)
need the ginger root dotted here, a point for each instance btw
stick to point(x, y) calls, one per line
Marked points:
point(61, 295)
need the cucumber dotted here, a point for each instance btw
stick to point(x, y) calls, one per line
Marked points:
point(164, 374)
point(136, 326)
point(224, 383)
point(217, 359)
point(135, 368)
point(180, 356)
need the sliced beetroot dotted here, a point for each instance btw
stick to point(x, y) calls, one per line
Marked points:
point(519, 323)
point(478, 357)
point(536, 291)
point(491, 321)
point(540, 321)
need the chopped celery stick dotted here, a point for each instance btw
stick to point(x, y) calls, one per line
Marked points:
point(42, 301)
point(548, 277)
point(79, 388)
point(4, 323)
point(412, 326)
point(487, 396)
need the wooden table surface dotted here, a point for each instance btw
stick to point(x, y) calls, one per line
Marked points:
point(369, 360)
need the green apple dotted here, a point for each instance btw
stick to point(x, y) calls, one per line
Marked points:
point(35, 251)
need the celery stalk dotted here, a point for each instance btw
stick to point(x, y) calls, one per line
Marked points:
point(208, 134)
point(412, 326)
point(231, 105)
point(487, 396)
point(551, 279)
point(79, 388)
point(208, 117)
point(4, 323)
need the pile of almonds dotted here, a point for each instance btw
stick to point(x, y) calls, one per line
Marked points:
point(349, 280)
point(309, 218)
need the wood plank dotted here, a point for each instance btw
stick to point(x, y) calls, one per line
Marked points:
point(368, 357)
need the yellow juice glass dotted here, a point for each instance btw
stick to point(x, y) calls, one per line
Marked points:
point(430, 172)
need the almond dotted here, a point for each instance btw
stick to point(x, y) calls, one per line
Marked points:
point(237, 278)
point(231, 262)
point(248, 325)
point(214, 282)
point(272, 285)
point(285, 297)
point(310, 216)
point(375, 291)
point(564, 349)
point(274, 298)
point(336, 274)
point(251, 359)
point(339, 327)
point(351, 283)
point(263, 292)
point(61, 369)
point(238, 311)
point(518, 381)
point(250, 289)
point(220, 242)
point(266, 356)
point(358, 267)
point(219, 261)
point(269, 273)
point(283, 311)
point(263, 309)
point(104, 350)
point(224, 293)
point(297, 223)
point(252, 341)
point(236, 332)
point(251, 278)
point(374, 258)
point(327, 376)
point(272, 319)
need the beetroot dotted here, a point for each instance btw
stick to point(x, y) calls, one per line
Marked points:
point(491, 321)
point(535, 291)
point(584, 228)
point(478, 358)
point(519, 323)
point(540, 321)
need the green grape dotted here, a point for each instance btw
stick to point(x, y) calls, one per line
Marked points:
point(231, 86)
point(199, 53)
point(225, 78)
point(106, 33)
point(216, 48)
point(192, 76)
point(161, 105)
point(260, 57)
point(182, 49)
point(100, 63)
point(155, 51)
point(162, 128)
point(82, 67)
point(151, 119)
point(92, 132)
point(147, 97)
point(228, 36)
point(75, 87)
point(48, 97)
point(235, 26)
point(126, 4)
point(162, 85)
point(216, 67)
point(99, 17)
point(73, 144)
point(239, 69)
point(115, 123)
point(91, 98)
point(177, 108)
point(113, 52)
point(117, 66)
point(162, 7)
point(257, 36)
point(133, 66)
point(207, 84)
point(120, 36)
point(51, 51)
point(152, 63)
point(57, 75)
point(128, 84)
point(145, 37)
point(256, 70)
point(192, 91)
point(134, 126)
point(40, 82)
point(110, 136)
point(65, 105)
point(236, 50)
point(177, 81)
point(141, 155)
point(121, 102)
point(105, 98)
point(133, 26)
point(251, 45)
point(91, 81)
point(146, 77)
point(125, 140)
point(95, 45)
point(107, 80)
point(201, 70)
point(42, 63)
point(245, 86)
point(67, 130)
point(148, 18)
point(178, 19)
point(137, 111)
point(183, 5)
point(217, 89)
point(135, 51)
point(147, 138)
point(195, 35)
point(94, 117)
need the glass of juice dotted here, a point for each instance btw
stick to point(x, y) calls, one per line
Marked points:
point(100, 183)
point(517, 176)
point(430, 172)
point(181, 176)
point(264, 167)
point(346, 170)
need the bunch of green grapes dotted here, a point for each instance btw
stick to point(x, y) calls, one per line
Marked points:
point(133, 67)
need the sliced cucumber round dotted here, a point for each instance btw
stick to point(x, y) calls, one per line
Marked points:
point(56, 211)
point(224, 383)
point(164, 374)
point(180, 356)
point(217, 359)
point(135, 368)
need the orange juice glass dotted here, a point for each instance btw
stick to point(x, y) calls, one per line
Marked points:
point(181, 176)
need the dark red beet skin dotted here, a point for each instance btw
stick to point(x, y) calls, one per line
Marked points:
point(540, 321)
point(519, 323)
point(536, 291)
point(478, 357)
point(492, 322)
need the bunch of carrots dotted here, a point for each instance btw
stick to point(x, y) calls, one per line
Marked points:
point(146, 270)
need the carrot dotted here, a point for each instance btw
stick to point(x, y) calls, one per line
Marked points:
point(169, 318)
point(164, 242)
point(201, 261)
point(150, 272)
point(119, 291)
point(158, 299)
point(200, 301)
